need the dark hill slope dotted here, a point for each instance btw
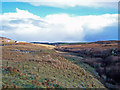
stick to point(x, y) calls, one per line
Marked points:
point(103, 56)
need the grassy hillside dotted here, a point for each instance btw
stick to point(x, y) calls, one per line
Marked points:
point(39, 66)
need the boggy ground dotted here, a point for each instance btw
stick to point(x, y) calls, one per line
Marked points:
point(39, 66)
point(102, 56)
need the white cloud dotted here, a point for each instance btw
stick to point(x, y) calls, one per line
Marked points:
point(24, 25)
point(20, 14)
point(70, 3)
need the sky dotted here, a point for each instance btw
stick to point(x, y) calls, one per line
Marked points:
point(59, 20)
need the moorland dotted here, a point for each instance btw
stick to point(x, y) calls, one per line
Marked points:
point(79, 65)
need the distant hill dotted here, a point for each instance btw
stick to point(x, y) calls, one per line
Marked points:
point(4, 38)
point(108, 42)
point(75, 43)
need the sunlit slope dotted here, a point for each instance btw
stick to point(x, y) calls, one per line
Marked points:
point(39, 66)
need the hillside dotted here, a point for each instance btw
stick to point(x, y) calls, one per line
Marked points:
point(40, 66)
point(4, 39)
point(102, 56)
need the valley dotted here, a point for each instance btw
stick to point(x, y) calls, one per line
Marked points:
point(102, 59)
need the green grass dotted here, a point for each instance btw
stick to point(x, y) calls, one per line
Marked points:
point(29, 72)
point(87, 67)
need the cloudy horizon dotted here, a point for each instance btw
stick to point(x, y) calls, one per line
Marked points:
point(59, 21)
